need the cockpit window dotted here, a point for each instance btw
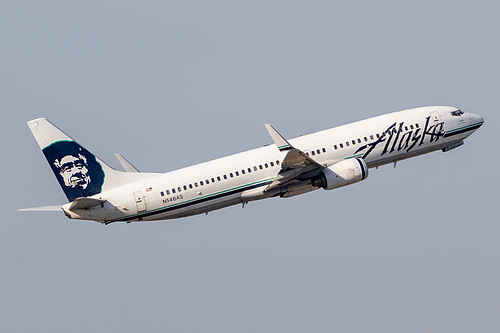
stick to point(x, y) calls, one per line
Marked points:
point(457, 113)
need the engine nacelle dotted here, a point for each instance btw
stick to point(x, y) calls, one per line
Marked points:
point(341, 174)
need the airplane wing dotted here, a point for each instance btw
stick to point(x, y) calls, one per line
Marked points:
point(295, 163)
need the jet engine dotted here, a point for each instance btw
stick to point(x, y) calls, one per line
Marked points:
point(341, 174)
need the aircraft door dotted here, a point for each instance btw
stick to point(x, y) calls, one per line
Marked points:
point(140, 201)
point(436, 117)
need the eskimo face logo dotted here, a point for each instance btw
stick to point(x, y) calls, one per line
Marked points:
point(74, 170)
point(78, 172)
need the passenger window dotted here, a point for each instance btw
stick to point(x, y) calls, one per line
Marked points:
point(341, 145)
point(417, 126)
point(173, 190)
point(347, 144)
point(162, 194)
point(255, 168)
point(237, 173)
point(218, 178)
point(312, 152)
point(378, 136)
point(168, 192)
point(324, 150)
point(190, 185)
point(353, 142)
point(260, 166)
point(231, 175)
point(318, 151)
point(225, 177)
point(307, 153)
point(371, 137)
point(272, 164)
point(335, 147)
point(277, 162)
point(406, 128)
point(213, 180)
point(266, 165)
point(243, 171)
point(359, 140)
point(411, 126)
point(207, 182)
point(195, 184)
point(201, 183)
point(179, 189)
point(366, 139)
point(185, 188)
point(249, 170)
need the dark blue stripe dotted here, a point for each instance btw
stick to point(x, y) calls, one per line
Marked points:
point(463, 130)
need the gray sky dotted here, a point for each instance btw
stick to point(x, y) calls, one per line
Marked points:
point(173, 84)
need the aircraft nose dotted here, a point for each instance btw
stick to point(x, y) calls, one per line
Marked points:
point(477, 119)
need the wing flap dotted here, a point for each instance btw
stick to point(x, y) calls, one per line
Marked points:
point(283, 177)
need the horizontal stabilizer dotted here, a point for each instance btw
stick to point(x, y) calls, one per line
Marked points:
point(86, 203)
point(127, 166)
point(42, 209)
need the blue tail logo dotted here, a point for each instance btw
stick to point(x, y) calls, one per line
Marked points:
point(76, 169)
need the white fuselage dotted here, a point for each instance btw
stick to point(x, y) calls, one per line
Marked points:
point(243, 177)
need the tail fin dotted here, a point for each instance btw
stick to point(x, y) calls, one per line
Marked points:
point(79, 172)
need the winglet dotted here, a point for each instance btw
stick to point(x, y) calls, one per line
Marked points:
point(280, 141)
point(127, 166)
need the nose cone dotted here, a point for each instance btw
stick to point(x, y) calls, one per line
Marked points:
point(476, 119)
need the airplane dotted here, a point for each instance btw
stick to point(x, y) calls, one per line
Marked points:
point(328, 159)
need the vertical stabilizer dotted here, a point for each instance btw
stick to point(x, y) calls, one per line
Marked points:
point(79, 172)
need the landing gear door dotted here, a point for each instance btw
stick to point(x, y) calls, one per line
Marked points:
point(140, 201)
